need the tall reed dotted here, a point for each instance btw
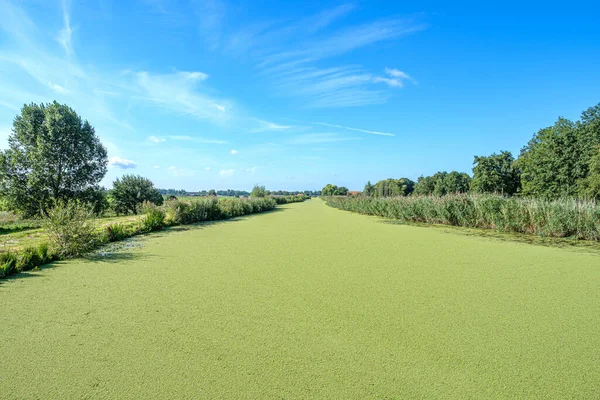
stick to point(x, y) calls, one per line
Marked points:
point(558, 218)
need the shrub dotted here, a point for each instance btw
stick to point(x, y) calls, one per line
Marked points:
point(154, 217)
point(116, 232)
point(70, 228)
point(130, 191)
point(8, 264)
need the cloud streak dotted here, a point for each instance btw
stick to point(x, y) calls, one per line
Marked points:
point(197, 139)
point(66, 33)
point(353, 129)
point(312, 138)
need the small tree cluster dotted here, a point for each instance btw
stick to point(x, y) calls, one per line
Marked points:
point(333, 190)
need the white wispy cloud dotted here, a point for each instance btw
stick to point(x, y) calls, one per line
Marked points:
point(207, 168)
point(396, 79)
point(156, 139)
point(156, 167)
point(234, 152)
point(227, 172)
point(98, 94)
point(251, 170)
point(312, 138)
point(57, 88)
point(353, 129)
point(66, 33)
point(177, 92)
point(197, 139)
point(269, 126)
point(176, 171)
point(123, 163)
point(292, 69)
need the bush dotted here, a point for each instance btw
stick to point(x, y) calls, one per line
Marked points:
point(8, 264)
point(289, 199)
point(70, 228)
point(154, 217)
point(116, 232)
point(130, 191)
point(559, 218)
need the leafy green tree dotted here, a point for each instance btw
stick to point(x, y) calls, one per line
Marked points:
point(212, 192)
point(130, 191)
point(425, 185)
point(495, 174)
point(558, 159)
point(589, 187)
point(53, 156)
point(258, 191)
point(456, 182)
point(341, 191)
point(369, 189)
point(329, 190)
point(393, 187)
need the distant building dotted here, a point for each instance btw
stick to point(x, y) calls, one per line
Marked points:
point(354, 193)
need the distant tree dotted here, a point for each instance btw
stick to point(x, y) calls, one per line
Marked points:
point(341, 191)
point(53, 156)
point(425, 185)
point(212, 192)
point(259, 191)
point(393, 187)
point(369, 189)
point(495, 174)
point(456, 182)
point(329, 190)
point(130, 191)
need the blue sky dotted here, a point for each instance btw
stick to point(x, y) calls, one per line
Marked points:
point(293, 95)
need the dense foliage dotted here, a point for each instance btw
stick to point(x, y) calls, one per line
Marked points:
point(392, 187)
point(130, 191)
point(443, 183)
point(53, 156)
point(495, 174)
point(290, 199)
point(259, 191)
point(559, 218)
point(70, 228)
point(333, 190)
point(557, 161)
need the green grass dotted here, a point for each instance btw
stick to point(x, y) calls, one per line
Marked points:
point(19, 239)
point(306, 302)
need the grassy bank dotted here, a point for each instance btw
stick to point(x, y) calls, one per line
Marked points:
point(35, 250)
point(560, 218)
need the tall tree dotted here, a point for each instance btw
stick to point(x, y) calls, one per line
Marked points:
point(369, 189)
point(495, 174)
point(329, 190)
point(551, 162)
point(130, 191)
point(53, 156)
point(258, 191)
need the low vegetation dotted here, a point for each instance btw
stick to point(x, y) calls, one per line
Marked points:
point(550, 218)
point(72, 229)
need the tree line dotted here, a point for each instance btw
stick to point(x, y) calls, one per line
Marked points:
point(562, 160)
point(54, 156)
